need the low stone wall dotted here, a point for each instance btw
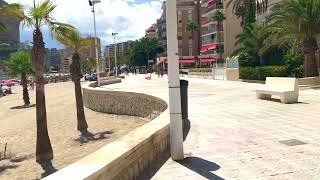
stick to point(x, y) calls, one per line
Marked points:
point(232, 74)
point(310, 81)
point(121, 103)
point(127, 157)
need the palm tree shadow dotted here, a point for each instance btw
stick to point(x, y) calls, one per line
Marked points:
point(87, 136)
point(48, 168)
point(5, 167)
point(201, 166)
point(23, 107)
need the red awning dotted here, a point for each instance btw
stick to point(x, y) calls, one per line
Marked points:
point(204, 48)
point(186, 61)
point(207, 59)
point(212, 3)
point(212, 46)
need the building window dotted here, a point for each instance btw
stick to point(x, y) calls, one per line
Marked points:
point(189, 15)
point(190, 51)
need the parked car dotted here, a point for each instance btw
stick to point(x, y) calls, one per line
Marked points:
point(93, 77)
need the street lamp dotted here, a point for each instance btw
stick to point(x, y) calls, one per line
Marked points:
point(115, 52)
point(108, 56)
point(92, 3)
point(176, 135)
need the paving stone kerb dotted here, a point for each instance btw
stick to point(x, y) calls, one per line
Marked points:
point(121, 103)
point(130, 155)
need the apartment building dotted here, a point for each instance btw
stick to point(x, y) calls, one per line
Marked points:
point(109, 51)
point(187, 41)
point(151, 32)
point(52, 59)
point(230, 29)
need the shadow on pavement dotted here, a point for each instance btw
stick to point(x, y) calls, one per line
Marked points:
point(202, 167)
point(23, 107)
point(87, 136)
point(154, 167)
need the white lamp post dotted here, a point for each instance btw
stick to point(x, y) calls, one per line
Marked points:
point(92, 3)
point(176, 135)
point(115, 52)
point(108, 56)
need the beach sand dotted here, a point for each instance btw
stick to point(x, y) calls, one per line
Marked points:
point(18, 130)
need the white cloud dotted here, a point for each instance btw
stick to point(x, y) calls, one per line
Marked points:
point(127, 17)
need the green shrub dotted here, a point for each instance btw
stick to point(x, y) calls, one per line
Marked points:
point(200, 70)
point(260, 73)
point(294, 61)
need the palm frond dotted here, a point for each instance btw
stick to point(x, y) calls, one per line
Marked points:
point(3, 27)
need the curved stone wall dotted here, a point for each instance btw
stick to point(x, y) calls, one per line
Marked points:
point(121, 103)
point(127, 157)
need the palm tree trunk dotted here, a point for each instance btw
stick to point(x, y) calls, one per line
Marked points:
point(310, 64)
point(76, 75)
point(44, 150)
point(24, 83)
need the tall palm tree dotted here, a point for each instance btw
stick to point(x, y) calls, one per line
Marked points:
point(193, 27)
point(20, 64)
point(36, 17)
point(73, 40)
point(292, 20)
point(219, 17)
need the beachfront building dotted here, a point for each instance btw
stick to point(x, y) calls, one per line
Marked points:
point(151, 32)
point(188, 42)
point(230, 29)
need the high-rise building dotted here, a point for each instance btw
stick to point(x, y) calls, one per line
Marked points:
point(90, 52)
point(52, 59)
point(228, 32)
point(109, 51)
point(187, 41)
point(151, 32)
point(65, 59)
point(162, 27)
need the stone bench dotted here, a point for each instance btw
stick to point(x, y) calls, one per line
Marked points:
point(286, 88)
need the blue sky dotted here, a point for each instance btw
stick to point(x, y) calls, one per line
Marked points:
point(127, 17)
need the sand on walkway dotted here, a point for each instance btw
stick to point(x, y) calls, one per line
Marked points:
point(18, 130)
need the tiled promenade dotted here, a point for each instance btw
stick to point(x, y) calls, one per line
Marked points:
point(235, 136)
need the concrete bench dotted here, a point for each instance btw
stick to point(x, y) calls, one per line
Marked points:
point(286, 88)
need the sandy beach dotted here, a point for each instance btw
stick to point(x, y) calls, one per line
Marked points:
point(18, 130)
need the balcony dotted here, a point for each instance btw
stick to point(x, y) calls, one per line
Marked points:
point(211, 9)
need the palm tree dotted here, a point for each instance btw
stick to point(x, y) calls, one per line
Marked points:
point(73, 40)
point(193, 27)
point(260, 5)
point(20, 64)
point(219, 17)
point(251, 40)
point(299, 20)
point(36, 17)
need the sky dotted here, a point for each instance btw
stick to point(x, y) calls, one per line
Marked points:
point(129, 18)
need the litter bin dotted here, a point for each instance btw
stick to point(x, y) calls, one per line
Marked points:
point(184, 98)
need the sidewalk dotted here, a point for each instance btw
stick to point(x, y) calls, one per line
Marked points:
point(235, 136)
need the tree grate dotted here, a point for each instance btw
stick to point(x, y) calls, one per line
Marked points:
point(292, 142)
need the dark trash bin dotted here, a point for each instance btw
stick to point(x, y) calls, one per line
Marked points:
point(184, 98)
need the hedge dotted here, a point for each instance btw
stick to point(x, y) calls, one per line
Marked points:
point(200, 70)
point(260, 73)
